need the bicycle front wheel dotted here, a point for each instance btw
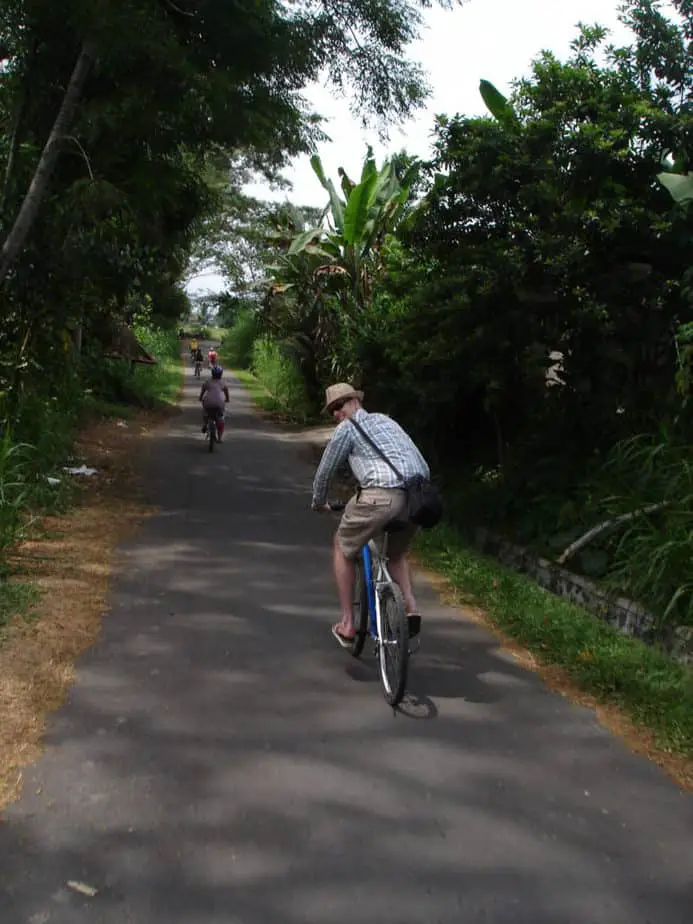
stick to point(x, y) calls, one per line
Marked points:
point(393, 645)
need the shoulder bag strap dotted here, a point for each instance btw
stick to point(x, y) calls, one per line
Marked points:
point(377, 448)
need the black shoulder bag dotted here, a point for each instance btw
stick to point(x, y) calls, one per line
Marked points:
point(424, 503)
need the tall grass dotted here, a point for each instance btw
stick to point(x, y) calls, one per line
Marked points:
point(651, 553)
point(278, 373)
point(240, 339)
point(160, 383)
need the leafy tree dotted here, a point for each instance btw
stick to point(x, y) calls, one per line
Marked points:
point(544, 232)
point(164, 90)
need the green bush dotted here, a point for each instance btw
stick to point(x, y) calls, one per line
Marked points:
point(161, 382)
point(278, 373)
point(239, 340)
point(115, 381)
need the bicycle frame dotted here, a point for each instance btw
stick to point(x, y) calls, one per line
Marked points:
point(372, 555)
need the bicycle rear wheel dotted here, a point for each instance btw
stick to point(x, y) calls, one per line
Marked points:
point(212, 432)
point(359, 608)
point(393, 647)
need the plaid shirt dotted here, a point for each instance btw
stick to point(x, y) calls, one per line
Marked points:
point(368, 468)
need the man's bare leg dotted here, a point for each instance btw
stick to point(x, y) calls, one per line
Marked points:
point(344, 577)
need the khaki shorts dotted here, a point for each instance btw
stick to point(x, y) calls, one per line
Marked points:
point(365, 517)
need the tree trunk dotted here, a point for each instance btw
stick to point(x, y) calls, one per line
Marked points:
point(607, 524)
point(16, 129)
point(14, 241)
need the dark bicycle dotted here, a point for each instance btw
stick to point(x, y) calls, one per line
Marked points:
point(215, 427)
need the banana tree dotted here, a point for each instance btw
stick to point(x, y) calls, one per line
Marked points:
point(498, 105)
point(679, 185)
point(356, 224)
point(324, 280)
point(299, 309)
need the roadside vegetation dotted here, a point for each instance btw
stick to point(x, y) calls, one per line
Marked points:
point(38, 446)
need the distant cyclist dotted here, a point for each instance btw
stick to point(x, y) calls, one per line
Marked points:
point(212, 356)
point(193, 348)
point(198, 359)
point(214, 396)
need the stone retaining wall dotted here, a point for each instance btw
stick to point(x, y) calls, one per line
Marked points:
point(625, 615)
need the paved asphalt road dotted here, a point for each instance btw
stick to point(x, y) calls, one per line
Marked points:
point(222, 761)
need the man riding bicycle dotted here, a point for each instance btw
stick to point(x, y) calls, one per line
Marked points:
point(214, 395)
point(380, 498)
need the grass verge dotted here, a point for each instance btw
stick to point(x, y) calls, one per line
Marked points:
point(33, 484)
point(652, 691)
point(259, 395)
point(68, 561)
point(271, 406)
point(57, 556)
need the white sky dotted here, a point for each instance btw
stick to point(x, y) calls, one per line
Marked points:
point(491, 39)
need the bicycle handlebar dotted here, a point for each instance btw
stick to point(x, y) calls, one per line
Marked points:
point(336, 506)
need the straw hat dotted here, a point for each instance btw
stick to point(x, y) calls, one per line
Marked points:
point(340, 392)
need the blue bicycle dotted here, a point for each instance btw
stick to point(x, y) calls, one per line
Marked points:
point(379, 611)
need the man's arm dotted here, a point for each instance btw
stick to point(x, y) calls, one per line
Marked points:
point(335, 454)
point(204, 389)
point(226, 393)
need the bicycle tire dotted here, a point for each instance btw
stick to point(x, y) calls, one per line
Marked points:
point(393, 636)
point(212, 433)
point(359, 608)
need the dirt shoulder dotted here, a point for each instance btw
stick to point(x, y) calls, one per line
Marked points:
point(70, 559)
